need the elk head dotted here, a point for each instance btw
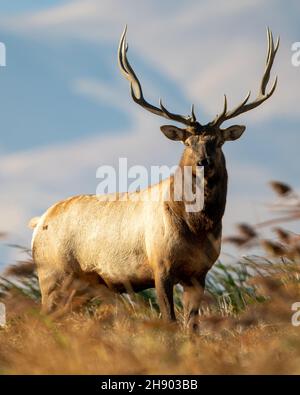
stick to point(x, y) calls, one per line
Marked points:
point(204, 142)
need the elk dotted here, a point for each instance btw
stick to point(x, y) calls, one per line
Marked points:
point(142, 243)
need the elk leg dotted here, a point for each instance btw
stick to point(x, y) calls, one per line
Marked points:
point(192, 296)
point(62, 291)
point(50, 285)
point(164, 290)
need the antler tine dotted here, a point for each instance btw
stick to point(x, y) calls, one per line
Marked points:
point(127, 70)
point(262, 96)
point(136, 89)
point(227, 115)
point(189, 120)
point(269, 62)
point(121, 43)
point(193, 116)
point(224, 107)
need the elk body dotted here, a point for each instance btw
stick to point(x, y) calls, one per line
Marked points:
point(141, 244)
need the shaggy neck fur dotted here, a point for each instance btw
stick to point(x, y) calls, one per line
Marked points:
point(215, 192)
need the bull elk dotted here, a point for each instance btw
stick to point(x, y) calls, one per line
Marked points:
point(145, 243)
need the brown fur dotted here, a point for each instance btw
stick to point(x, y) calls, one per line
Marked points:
point(130, 246)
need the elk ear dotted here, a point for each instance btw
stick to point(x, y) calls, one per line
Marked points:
point(233, 132)
point(175, 133)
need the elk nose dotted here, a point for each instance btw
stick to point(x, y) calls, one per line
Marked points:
point(203, 162)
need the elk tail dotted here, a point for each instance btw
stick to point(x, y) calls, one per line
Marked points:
point(33, 222)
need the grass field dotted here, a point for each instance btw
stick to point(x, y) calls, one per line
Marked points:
point(246, 319)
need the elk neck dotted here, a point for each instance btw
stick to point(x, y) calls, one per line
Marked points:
point(215, 192)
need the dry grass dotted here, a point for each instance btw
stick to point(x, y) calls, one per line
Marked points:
point(245, 323)
point(117, 339)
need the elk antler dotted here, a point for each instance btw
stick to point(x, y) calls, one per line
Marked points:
point(244, 106)
point(137, 93)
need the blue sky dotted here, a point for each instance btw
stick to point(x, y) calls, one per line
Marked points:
point(16, 7)
point(65, 109)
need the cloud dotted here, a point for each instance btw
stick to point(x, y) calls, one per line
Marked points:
point(100, 92)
